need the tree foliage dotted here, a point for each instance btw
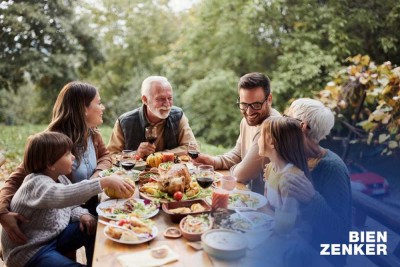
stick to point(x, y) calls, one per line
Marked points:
point(366, 99)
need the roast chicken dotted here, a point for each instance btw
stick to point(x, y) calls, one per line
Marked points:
point(177, 178)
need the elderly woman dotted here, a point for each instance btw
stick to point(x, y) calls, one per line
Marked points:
point(77, 113)
point(326, 202)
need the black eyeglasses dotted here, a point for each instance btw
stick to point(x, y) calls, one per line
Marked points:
point(255, 105)
point(286, 116)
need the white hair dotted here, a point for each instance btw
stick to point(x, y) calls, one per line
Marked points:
point(315, 114)
point(148, 82)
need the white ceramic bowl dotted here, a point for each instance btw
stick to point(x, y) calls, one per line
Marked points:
point(224, 244)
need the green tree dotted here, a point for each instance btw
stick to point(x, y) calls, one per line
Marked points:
point(210, 104)
point(43, 42)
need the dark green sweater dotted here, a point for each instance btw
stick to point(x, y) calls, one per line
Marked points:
point(329, 212)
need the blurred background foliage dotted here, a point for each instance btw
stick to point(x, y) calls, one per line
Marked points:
point(203, 50)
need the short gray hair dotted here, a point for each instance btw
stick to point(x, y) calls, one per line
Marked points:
point(315, 114)
point(148, 82)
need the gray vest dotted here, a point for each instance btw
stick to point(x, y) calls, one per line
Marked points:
point(133, 124)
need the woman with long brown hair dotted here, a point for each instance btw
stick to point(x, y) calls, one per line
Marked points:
point(77, 112)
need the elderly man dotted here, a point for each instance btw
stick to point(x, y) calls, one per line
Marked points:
point(173, 130)
point(254, 102)
point(326, 202)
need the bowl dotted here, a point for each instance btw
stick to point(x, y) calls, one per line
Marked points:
point(224, 244)
point(228, 182)
point(194, 222)
point(140, 165)
point(177, 217)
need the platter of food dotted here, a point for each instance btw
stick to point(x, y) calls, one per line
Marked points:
point(244, 200)
point(132, 174)
point(174, 183)
point(139, 231)
point(249, 221)
point(117, 209)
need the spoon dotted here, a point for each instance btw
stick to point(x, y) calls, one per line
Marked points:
point(244, 217)
point(123, 228)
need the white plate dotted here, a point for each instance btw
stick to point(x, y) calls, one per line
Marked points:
point(261, 221)
point(154, 233)
point(132, 174)
point(260, 200)
point(120, 202)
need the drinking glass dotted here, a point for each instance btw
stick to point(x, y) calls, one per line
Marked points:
point(151, 134)
point(193, 149)
point(128, 159)
point(205, 175)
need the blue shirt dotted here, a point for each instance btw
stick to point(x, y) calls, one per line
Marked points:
point(87, 165)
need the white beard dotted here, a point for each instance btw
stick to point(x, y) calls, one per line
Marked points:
point(158, 114)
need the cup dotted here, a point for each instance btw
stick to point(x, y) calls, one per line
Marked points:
point(228, 182)
point(220, 199)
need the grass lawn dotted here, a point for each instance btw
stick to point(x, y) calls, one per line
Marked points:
point(13, 140)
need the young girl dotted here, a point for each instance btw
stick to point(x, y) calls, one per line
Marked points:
point(50, 203)
point(281, 140)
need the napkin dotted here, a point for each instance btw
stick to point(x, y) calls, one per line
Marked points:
point(144, 258)
point(255, 238)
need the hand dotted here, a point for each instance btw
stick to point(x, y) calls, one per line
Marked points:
point(117, 183)
point(9, 221)
point(145, 149)
point(299, 187)
point(204, 159)
point(89, 223)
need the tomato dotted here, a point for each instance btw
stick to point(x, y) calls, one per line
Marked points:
point(178, 195)
point(122, 222)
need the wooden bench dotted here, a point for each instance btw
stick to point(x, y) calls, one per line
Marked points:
point(367, 206)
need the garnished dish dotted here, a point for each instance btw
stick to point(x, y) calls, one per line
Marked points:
point(244, 200)
point(138, 231)
point(193, 227)
point(133, 174)
point(173, 178)
point(240, 199)
point(248, 221)
point(118, 209)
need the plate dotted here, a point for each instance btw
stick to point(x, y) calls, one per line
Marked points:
point(261, 221)
point(119, 203)
point(244, 200)
point(154, 233)
point(132, 174)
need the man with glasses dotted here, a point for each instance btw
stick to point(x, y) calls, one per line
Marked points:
point(173, 131)
point(254, 102)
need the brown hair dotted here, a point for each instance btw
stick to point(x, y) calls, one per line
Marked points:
point(69, 114)
point(253, 80)
point(287, 139)
point(44, 149)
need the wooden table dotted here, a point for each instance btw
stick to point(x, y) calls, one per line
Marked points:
point(106, 251)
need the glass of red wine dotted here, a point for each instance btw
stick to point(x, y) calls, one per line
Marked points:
point(193, 149)
point(205, 175)
point(151, 134)
point(127, 160)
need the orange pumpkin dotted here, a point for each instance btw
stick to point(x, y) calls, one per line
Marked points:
point(111, 193)
point(153, 160)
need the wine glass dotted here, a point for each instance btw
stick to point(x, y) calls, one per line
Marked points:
point(193, 149)
point(151, 134)
point(205, 176)
point(128, 159)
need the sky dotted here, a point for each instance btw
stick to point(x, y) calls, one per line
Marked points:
point(180, 5)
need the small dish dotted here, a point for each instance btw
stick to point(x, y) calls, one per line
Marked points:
point(172, 232)
point(198, 225)
point(177, 217)
point(224, 244)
